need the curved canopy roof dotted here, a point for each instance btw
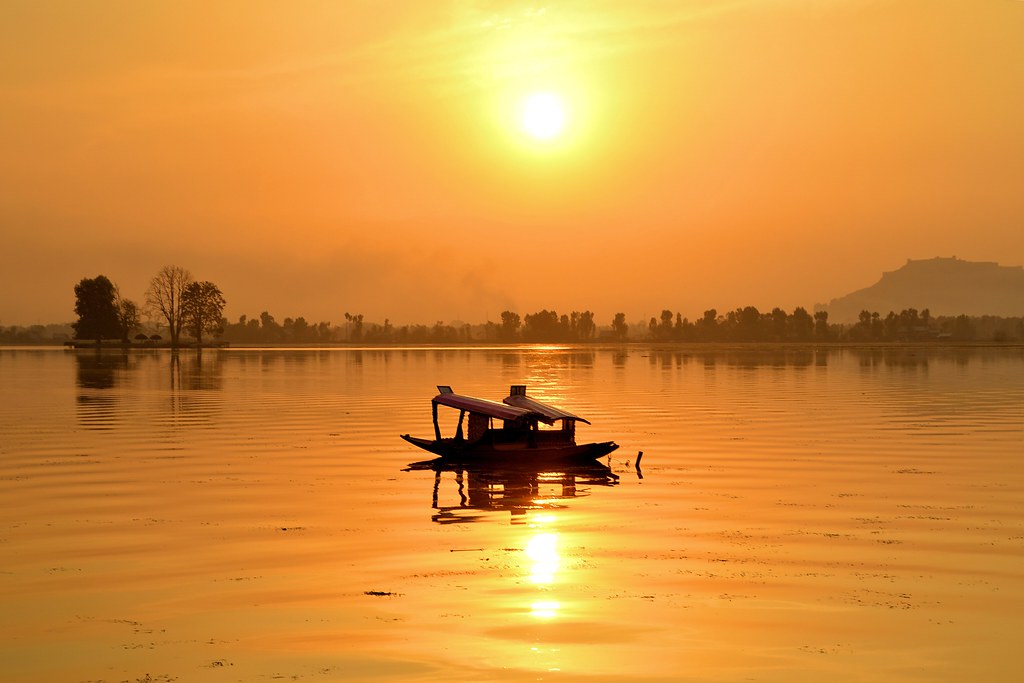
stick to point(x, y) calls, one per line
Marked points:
point(482, 406)
point(550, 413)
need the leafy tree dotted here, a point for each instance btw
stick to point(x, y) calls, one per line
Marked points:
point(748, 324)
point(801, 324)
point(708, 325)
point(270, 329)
point(357, 326)
point(127, 315)
point(821, 325)
point(509, 325)
point(97, 313)
point(442, 333)
point(663, 330)
point(585, 326)
point(620, 327)
point(863, 329)
point(877, 327)
point(541, 326)
point(202, 306)
point(164, 297)
point(298, 330)
point(891, 325)
point(778, 324)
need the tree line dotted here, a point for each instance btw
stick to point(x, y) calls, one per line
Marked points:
point(748, 324)
point(542, 326)
point(193, 309)
point(909, 324)
point(742, 325)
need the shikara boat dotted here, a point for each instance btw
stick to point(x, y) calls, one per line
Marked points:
point(509, 431)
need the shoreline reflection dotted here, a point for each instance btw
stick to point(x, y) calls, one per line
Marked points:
point(104, 381)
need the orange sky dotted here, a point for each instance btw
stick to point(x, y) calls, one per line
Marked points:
point(314, 158)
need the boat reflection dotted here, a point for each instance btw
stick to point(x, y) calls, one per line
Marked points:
point(481, 488)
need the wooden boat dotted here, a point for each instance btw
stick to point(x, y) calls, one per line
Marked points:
point(519, 436)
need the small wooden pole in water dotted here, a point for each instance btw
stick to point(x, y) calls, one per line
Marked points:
point(639, 455)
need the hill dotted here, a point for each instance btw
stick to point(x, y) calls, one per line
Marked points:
point(945, 286)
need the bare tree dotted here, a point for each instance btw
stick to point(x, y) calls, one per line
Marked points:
point(164, 297)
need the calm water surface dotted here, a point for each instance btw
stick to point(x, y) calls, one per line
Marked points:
point(243, 515)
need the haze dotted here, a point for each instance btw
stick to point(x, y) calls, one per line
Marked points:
point(317, 158)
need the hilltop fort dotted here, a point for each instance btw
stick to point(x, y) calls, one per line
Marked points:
point(945, 286)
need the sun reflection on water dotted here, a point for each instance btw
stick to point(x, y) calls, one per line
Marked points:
point(545, 609)
point(545, 561)
point(542, 549)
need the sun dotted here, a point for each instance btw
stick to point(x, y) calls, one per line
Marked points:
point(543, 115)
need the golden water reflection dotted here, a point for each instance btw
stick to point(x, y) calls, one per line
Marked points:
point(543, 569)
point(544, 562)
point(542, 549)
point(855, 521)
point(541, 585)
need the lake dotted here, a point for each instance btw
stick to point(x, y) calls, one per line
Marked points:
point(840, 514)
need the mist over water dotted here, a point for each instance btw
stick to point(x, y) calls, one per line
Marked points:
point(840, 514)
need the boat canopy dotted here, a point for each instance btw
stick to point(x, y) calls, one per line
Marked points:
point(482, 406)
point(549, 413)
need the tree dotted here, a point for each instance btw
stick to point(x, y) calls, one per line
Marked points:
point(541, 326)
point(778, 323)
point(164, 297)
point(585, 326)
point(270, 330)
point(748, 323)
point(862, 331)
point(877, 327)
point(821, 325)
point(300, 330)
point(619, 326)
point(509, 325)
point(202, 307)
point(889, 326)
point(801, 324)
point(356, 321)
point(708, 325)
point(663, 330)
point(127, 315)
point(97, 314)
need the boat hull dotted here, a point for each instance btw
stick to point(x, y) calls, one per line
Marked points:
point(487, 451)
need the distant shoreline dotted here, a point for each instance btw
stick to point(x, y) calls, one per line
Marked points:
point(87, 344)
point(596, 345)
